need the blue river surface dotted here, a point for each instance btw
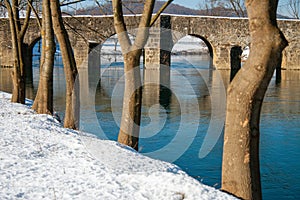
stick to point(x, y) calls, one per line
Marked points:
point(177, 115)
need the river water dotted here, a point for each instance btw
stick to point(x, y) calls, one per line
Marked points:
point(177, 117)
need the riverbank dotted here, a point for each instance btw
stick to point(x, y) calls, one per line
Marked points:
point(41, 159)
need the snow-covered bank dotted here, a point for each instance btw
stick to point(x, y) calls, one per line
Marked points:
point(41, 160)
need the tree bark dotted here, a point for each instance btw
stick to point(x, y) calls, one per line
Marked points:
point(240, 167)
point(43, 102)
point(132, 101)
point(70, 69)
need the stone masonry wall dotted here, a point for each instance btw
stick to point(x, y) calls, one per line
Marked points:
point(224, 33)
point(220, 33)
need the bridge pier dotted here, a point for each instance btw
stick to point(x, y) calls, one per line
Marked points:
point(88, 63)
point(94, 62)
point(157, 59)
point(28, 63)
point(221, 58)
point(235, 60)
point(81, 51)
point(7, 58)
point(158, 49)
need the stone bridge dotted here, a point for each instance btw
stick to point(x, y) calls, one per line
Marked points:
point(220, 35)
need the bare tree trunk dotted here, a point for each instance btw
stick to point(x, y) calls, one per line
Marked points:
point(17, 34)
point(240, 168)
point(131, 112)
point(72, 90)
point(132, 102)
point(16, 76)
point(43, 102)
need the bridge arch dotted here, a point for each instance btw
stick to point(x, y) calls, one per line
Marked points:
point(207, 44)
point(111, 51)
point(38, 41)
point(33, 42)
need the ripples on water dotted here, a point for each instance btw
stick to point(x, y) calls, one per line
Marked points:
point(280, 121)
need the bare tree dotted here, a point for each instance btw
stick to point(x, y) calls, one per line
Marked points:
point(223, 7)
point(240, 168)
point(72, 90)
point(3, 12)
point(43, 102)
point(132, 101)
point(238, 7)
point(18, 47)
point(209, 7)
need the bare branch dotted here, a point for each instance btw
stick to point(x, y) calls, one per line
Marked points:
point(26, 20)
point(142, 34)
point(89, 28)
point(36, 15)
point(120, 26)
point(75, 31)
point(72, 2)
point(294, 8)
point(166, 4)
point(100, 7)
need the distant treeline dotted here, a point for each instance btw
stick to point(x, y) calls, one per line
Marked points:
point(137, 8)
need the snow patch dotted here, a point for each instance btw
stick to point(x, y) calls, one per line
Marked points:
point(41, 159)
